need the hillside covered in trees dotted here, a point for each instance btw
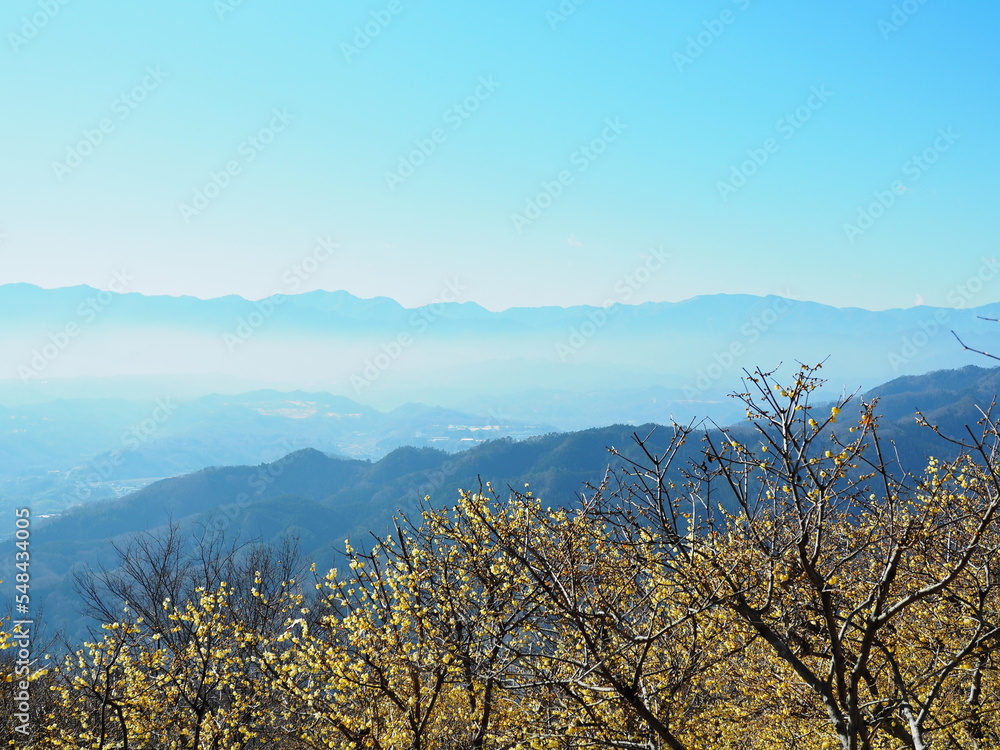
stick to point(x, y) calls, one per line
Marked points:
point(320, 499)
point(786, 590)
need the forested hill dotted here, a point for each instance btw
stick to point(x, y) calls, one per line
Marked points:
point(318, 498)
point(948, 399)
point(322, 500)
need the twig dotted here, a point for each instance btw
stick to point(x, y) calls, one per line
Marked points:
point(977, 351)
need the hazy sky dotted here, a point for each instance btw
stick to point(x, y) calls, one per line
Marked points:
point(525, 153)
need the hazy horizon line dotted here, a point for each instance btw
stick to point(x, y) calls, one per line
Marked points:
point(468, 302)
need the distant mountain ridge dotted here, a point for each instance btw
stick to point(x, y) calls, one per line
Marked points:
point(528, 370)
point(64, 452)
point(455, 353)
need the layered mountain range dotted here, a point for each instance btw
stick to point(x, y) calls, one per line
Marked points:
point(321, 499)
point(570, 367)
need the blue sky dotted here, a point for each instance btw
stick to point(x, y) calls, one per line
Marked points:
point(533, 153)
